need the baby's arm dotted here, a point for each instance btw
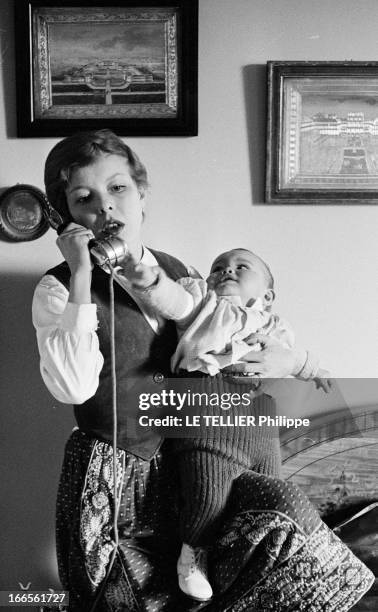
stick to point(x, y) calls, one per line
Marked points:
point(163, 295)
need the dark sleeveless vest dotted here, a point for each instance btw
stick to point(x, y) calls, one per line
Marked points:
point(142, 362)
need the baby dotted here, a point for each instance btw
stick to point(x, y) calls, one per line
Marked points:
point(214, 319)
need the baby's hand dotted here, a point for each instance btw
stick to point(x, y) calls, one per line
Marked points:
point(140, 275)
point(323, 380)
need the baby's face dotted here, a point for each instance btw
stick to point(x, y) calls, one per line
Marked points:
point(238, 272)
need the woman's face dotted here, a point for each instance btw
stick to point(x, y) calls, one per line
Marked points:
point(103, 193)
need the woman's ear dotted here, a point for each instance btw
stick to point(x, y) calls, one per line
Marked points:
point(142, 198)
point(269, 297)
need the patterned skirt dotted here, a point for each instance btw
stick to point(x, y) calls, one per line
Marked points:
point(273, 553)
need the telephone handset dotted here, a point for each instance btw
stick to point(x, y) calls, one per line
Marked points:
point(106, 250)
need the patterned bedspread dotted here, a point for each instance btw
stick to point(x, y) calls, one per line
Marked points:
point(273, 554)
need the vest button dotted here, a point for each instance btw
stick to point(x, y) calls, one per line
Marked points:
point(158, 377)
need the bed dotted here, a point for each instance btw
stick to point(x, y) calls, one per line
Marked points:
point(335, 462)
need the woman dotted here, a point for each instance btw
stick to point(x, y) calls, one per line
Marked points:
point(124, 558)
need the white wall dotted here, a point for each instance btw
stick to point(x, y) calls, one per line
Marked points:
point(206, 196)
point(207, 191)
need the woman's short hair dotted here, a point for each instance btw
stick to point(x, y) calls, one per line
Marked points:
point(81, 150)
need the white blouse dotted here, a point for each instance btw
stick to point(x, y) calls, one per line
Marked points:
point(70, 357)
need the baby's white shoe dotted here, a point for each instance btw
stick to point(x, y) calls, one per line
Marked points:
point(192, 573)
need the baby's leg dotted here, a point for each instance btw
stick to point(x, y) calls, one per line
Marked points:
point(206, 479)
point(261, 442)
point(269, 462)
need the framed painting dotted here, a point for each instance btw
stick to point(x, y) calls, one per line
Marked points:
point(130, 66)
point(322, 137)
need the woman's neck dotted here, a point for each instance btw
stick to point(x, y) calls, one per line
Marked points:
point(136, 251)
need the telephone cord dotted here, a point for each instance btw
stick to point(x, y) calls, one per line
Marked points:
point(114, 438)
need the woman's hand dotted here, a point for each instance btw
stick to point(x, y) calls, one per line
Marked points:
point(73, 244)
point(273, 360)
point(323, 380)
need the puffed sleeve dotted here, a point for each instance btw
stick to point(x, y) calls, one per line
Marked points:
point(282, 331)
point(70, 359)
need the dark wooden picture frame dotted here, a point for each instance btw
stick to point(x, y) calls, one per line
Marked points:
point(322, 133)
point(130, 66)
